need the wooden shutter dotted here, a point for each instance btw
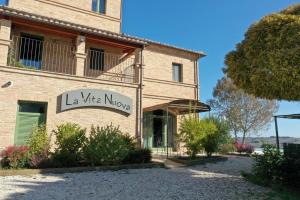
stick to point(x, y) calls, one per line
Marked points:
point(26, 122)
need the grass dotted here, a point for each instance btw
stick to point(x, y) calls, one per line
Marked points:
point(278, 191)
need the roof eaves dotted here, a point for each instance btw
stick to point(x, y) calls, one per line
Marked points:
point(51, 21)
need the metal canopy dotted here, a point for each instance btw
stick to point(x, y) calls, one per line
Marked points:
point(291, 116)
point(181, 107)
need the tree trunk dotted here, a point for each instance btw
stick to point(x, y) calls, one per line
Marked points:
point(235, 137)
point(244, 137)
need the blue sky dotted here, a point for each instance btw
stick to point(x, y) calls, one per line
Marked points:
point(212, 26)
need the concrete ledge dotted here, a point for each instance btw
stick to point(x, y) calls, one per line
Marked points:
point(26, 172)
point(199, 160)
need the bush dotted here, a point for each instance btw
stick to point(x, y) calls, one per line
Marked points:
point(216, 137)
point(70, 139)
point(190, 135)
point(138, 156)
point(210, 142)
point(39, 144)
point(244, 148)
point(267, 166)
point(15, 157)
point(226, 148)
point(107, 146)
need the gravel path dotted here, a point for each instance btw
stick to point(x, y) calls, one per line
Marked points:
point(211, 181)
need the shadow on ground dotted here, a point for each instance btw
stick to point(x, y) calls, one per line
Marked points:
point(213, 181)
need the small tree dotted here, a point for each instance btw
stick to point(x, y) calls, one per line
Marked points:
point(244, 113)
point(190, 135)
point(198, 134)
point(210, 136)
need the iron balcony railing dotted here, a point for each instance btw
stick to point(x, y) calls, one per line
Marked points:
point(109, 66)
point(60, 57)
point(38, 54)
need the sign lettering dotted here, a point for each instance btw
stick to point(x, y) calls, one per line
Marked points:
point(95, 98)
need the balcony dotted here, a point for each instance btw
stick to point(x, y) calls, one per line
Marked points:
point(59, 56)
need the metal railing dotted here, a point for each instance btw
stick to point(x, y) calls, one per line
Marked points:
point(38, 54)
point(60, 57)
point(109, 66)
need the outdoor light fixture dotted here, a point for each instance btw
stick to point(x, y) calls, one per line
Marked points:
point(7, 84)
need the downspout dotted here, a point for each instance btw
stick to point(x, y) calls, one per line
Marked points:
point(197, 80)
point(141, 96)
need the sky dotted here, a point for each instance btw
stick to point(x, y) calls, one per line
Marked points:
point(212, 26)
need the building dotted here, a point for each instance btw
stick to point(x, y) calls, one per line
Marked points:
point(67, 61)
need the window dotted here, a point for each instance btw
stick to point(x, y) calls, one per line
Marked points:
point(3, 2)
point(97, 59)
point(31, 50)
point(99, 6)
point(177, 72)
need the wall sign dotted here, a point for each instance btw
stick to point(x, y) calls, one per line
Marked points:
point(95, 98)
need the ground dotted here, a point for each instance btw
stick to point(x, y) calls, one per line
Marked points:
point(214, 181)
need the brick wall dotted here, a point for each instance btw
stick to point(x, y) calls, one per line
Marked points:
point(78, 12)
point(44, 87)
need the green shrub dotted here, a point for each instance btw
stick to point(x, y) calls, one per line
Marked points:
point(226, 148)
point(267, 166)
point(138, 156)
point(70, 139)
point(39, 145)
point(199, 134)
point(190, 135)
point(15, 157)
point(107, 146)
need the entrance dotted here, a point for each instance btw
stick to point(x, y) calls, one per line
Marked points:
point(155, 130)
point(29, 116)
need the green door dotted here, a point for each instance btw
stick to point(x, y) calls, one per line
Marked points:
point(30, 115)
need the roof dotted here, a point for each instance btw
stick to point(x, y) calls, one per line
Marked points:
point(86, 29)
point(292, 116)
point(182, 106)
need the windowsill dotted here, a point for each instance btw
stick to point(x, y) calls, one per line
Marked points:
point(98, 13)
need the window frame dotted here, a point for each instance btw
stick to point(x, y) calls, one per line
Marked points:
point(93, 65)
point(25, 57)
point(99, 7)
point(180, 73)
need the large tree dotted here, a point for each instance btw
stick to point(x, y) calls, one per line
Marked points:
point(244, 113)
point(267, 62)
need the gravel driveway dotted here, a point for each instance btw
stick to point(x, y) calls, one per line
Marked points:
point(211, 181)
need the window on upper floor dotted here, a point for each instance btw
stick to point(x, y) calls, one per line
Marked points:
point(97, 59)
point(31, 50)
point(177, 72)
point(3, 2)
point(99, 6)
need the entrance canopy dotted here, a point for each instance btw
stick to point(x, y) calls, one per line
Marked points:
point(181, 107)
point(292, 116)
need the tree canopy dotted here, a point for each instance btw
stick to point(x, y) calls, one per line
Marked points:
point(267, 62)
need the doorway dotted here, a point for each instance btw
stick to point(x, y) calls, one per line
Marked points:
point(29, 116)
point(156, 133)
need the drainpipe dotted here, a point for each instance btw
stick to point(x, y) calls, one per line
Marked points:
point(141, 96)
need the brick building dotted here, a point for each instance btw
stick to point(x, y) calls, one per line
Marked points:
point(67, 61)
